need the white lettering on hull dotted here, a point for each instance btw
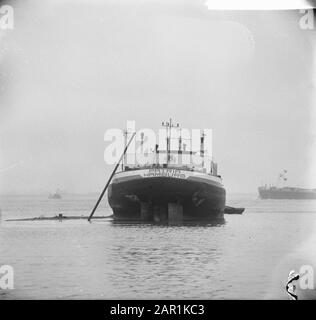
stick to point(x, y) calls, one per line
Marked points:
point(171, 173)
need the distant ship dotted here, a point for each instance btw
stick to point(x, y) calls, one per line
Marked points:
point(164, 189)
point(275, 192)
point(55, 195)
point(286, 193)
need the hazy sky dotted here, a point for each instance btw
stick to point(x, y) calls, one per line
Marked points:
point(70, 70)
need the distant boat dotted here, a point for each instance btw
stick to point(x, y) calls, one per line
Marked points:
point(55, 195)
point(275, 192)
point(286, 193)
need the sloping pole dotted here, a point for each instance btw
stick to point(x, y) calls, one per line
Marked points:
point(107, 184)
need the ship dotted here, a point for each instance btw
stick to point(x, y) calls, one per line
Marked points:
point(285, 192)
point(273, 192)
point(55, 195)
point(170, 186)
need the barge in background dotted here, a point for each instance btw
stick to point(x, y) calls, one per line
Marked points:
point(167, 188)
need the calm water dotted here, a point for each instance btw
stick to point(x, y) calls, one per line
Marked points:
point(249, 256)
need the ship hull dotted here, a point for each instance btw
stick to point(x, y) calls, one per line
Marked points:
point(200, 197)
point(286, 193)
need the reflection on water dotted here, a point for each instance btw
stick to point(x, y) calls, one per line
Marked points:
point(238, 257)
point(163, 256)
point(192, 223)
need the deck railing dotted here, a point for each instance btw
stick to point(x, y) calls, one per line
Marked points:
point(184, 161)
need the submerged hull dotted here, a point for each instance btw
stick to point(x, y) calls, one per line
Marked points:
point(286, 193)
point(152, 194)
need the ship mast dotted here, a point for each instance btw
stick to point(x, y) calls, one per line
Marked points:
point(202, 148)
point(169, 125)
point(282, 177)
point(124, 162)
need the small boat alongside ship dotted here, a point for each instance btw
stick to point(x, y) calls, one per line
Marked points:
point(232, 210)
point(165, 189)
